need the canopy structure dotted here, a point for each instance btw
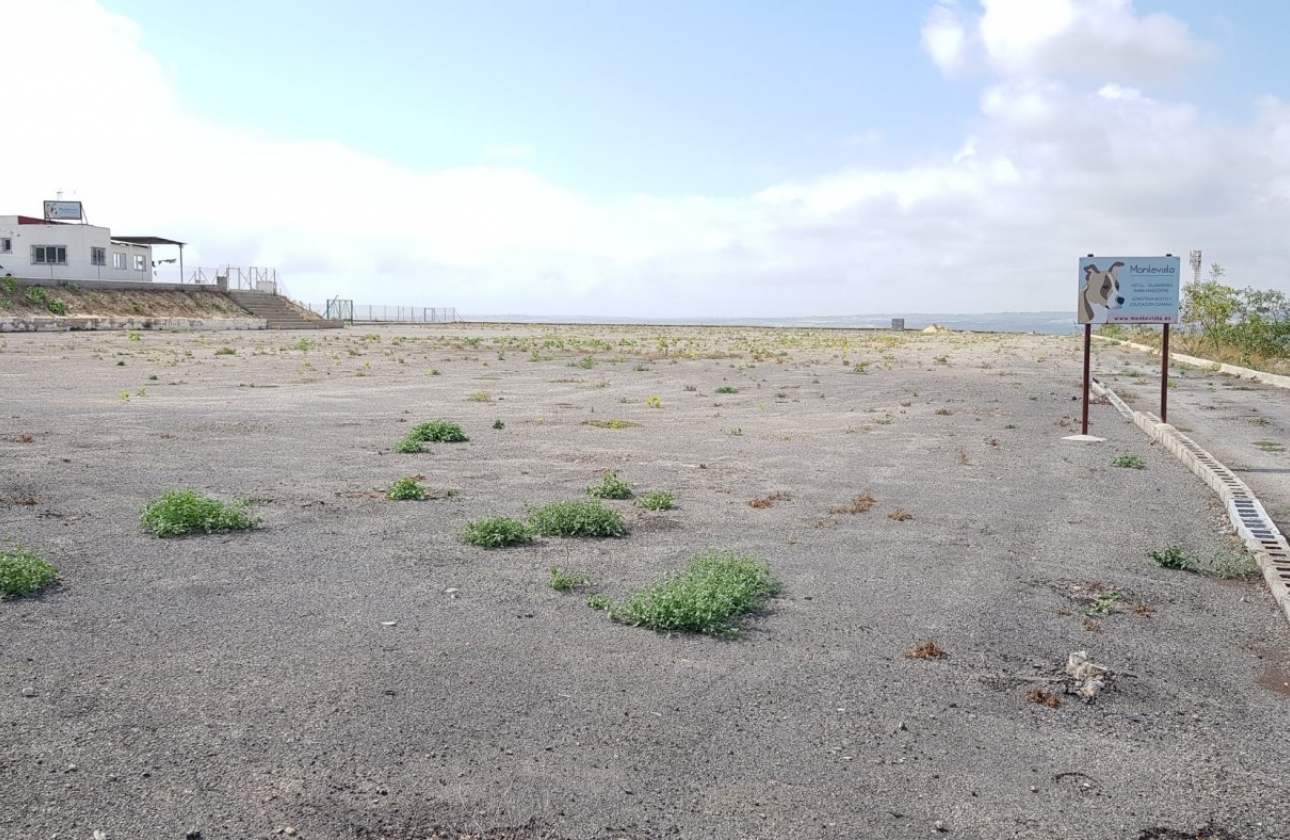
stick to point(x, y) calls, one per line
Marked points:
point(153, 241)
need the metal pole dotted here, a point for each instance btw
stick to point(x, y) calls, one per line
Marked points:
point(1088, 341)
point(1164, 377)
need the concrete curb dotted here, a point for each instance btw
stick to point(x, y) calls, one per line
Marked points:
point(1244, 510)
point(1274, 379)
point(43, 323)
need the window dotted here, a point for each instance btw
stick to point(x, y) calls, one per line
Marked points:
point(6, 246)
point(118, 260)
point(140, 264)
point(48, 255)
point(98, 256)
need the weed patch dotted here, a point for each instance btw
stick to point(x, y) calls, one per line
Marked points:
point(563, 581)
point(23, 573)
point(610, 487)
point(180, 512)
point(406, 490)
point(497, 532)
point(1174, 558)
point(437, 431)
point(716, 588)
point(577, 519)
point(657, 500)
point(610, 424)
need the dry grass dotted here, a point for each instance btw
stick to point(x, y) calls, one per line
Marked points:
point(900, 515)
point(1044, 698)
point(859, 504)
point(925, 650)
point(769, 501)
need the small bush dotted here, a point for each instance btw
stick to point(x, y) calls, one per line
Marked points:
point(1174, 558)
point(438, 431)
point(563, 581)
point(409, 446)
point(406, 490)
point(1129, 462)
point(23, 573)
point(180, 512)
point(716, 588)
point(497, 532)
point(657, 500)
point(577, 519)
point(610, 487)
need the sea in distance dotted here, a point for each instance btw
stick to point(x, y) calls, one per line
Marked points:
point(1046, 323)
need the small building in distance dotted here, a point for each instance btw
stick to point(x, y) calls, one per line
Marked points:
point(33, 248)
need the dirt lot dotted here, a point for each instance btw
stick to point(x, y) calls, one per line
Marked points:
point(252, 685)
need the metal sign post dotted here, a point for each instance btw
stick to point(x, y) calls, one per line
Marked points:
point(1127, 290)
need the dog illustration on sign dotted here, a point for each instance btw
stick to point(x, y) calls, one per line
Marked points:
point(1100, 293)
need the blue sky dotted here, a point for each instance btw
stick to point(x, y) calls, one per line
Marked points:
point(669, 158)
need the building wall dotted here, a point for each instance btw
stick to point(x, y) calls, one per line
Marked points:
point(79, 240)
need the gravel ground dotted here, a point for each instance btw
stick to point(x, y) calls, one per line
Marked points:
point(353, 670)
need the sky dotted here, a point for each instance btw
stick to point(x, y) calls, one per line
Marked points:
point(666, 158)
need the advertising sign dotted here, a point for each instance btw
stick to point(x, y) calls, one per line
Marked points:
point(63, 211)
point(1128, 290)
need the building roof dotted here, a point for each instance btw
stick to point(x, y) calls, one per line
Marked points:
point(147, 240)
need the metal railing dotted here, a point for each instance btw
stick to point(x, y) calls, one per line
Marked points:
point(238, 278)
point(387, 314)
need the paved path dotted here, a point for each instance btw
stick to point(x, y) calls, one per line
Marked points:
point(1242, 422)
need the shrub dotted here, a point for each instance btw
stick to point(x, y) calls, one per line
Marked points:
point(406, 490)
point(610, 487)
point(715, 588)
point(497, 532)
point(180, 512)
point(577, 519)
point(657, 500)
point(23, 573)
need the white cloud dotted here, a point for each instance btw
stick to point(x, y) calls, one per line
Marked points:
point(1055, 166)
point(1098, 40)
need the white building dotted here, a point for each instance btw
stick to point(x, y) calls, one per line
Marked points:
point(36, 249)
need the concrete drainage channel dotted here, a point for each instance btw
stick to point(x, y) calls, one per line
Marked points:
point(1251, 521)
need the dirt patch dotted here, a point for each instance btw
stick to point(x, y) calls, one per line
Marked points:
point(353, 670)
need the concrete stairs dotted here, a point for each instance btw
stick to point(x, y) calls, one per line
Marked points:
point(281, 314)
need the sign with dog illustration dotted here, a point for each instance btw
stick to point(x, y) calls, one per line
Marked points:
point(1129, 290)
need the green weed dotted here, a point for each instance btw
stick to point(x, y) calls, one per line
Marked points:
point(497, 532)
point(657, 500)
point(715, 589)
point(406, 490)
point(438, 431)
point(563, 581)
point(577, 519)
point(610, 487)
point(24, 573)
point(180, 512)
point(1174, 558)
